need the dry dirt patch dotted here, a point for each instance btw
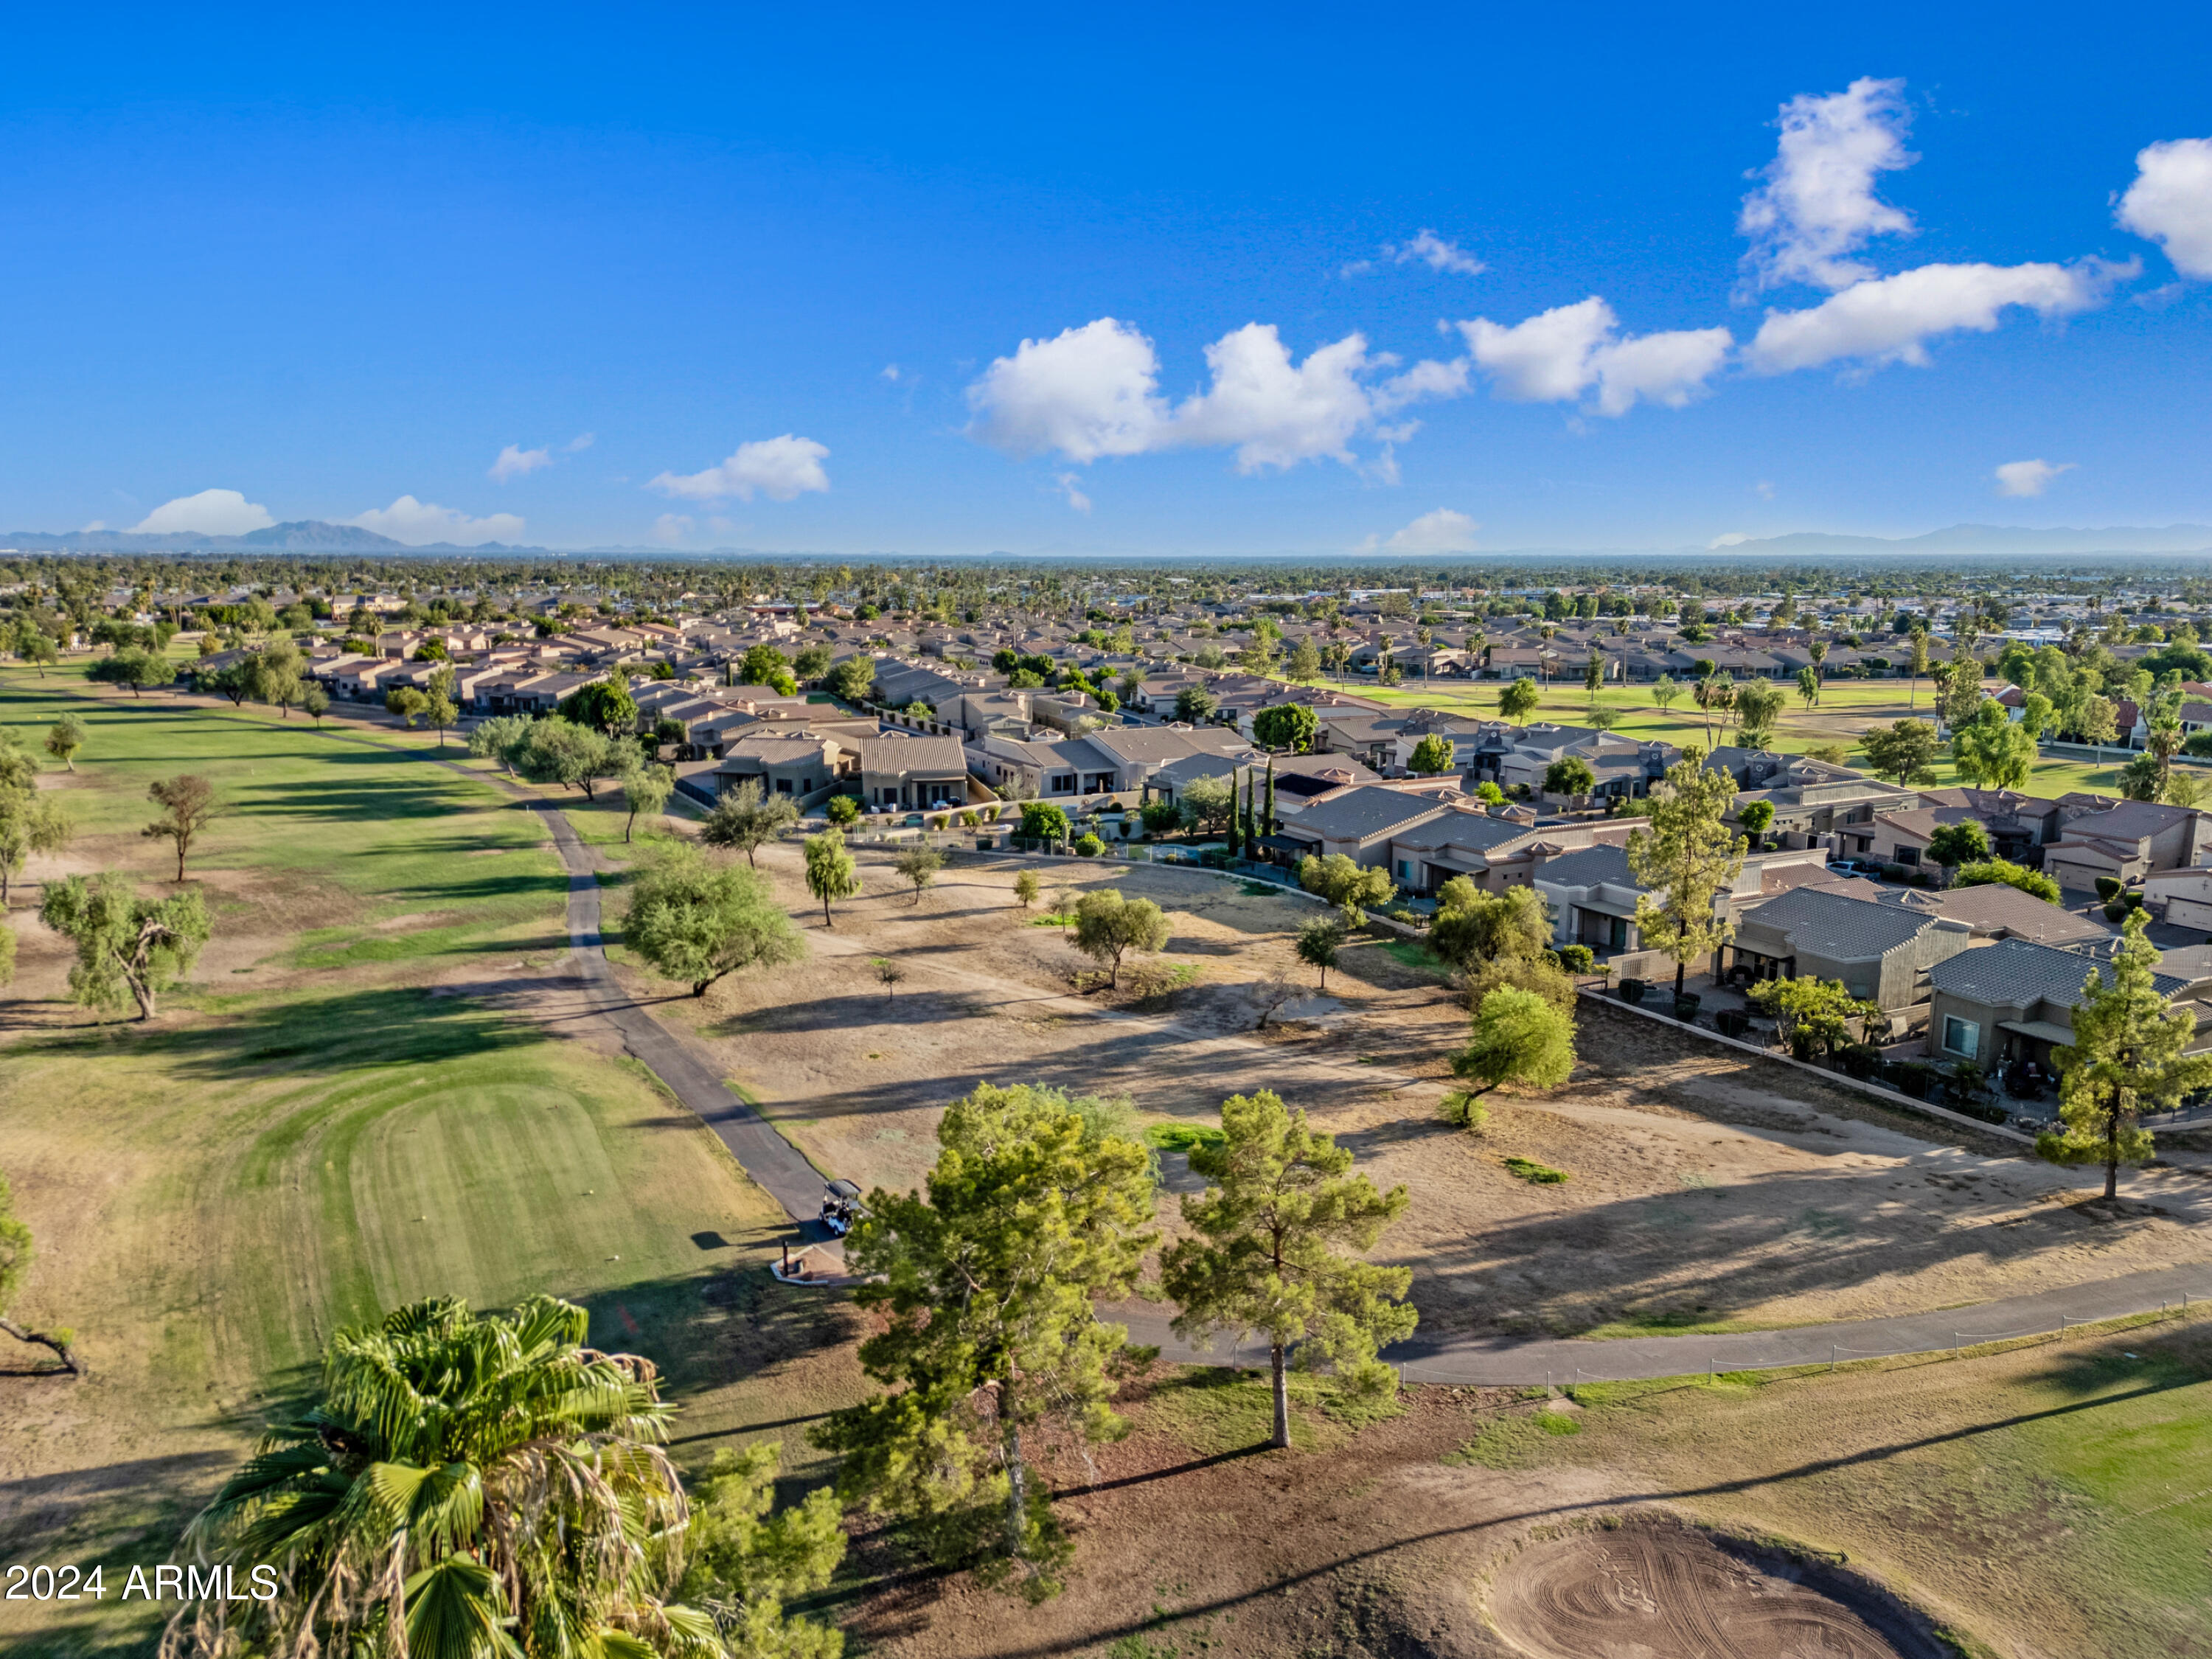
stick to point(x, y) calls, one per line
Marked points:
point(1703, 1186)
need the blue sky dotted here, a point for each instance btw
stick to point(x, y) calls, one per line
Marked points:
point(1295, 280)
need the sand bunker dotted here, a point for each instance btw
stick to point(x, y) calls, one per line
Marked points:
point(1670, 1592)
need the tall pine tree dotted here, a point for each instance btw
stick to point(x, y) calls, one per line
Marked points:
point(1036, 1209)
point(1275, 1249)
point(2130, 1055)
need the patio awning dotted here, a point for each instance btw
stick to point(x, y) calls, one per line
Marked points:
point(2042, 1030)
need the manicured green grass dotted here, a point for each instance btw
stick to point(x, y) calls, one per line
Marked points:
point(362, 856)
point(283, 1167)
point(214, 1195)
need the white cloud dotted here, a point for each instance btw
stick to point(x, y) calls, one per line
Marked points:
point(671, 527)
point(1353, 268)
point(1068, 484)
point(1277, 414)
point(1544, 359)
point(1559, 354)
point(2171, 202)
point(513, 462)
point(1435, 253)
point(1670, 368)
point(417, 522)
point(1441, 532)
point(891, 372)
point(1890, 320)
point(1763, 490)
point(781, 468)
point(2028, 478)
point(1086, 393)
point(1094, 392)
point(1733, 539)
point(1818, 205)
point(210, 513)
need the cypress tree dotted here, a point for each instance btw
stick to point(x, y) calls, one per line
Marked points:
point(1271, 826)
point(1235, 815)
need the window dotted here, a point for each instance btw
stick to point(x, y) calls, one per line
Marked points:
point(1905, 855)
point(1962, 1037)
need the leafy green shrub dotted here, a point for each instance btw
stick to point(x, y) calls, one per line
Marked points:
point(1535, 1173)
point(1859, 1060)
point(1088, 846)
point(1183, 1137)
point(2108, 887)
point(1578, 958)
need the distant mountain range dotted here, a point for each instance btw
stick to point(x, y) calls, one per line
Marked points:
point(1989, 539)
point(301, 536)
point(1958, 541)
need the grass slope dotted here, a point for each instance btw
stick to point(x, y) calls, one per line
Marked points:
point(213, 1195)
point(2053, 1497)
point(357, 854)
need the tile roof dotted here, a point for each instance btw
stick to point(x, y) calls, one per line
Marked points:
point(1995, 905)
point(1474, 832)
point(1590, 868)
point(898, 752)
point(1835, 925)
point(1363, 813)
point(2018, 973)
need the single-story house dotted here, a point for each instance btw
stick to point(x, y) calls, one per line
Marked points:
point(2014, 1000)
point(794, 763)
point(1882, 953)
point(1360, 824)
point(901, 770)
point(1995, 911)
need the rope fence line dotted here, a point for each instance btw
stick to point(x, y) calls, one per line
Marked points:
point(1837, 1353)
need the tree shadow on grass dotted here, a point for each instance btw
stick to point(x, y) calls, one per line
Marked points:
point(320, 1035)
point(354, 799)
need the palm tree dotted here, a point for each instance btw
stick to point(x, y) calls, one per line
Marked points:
point(468, 1485)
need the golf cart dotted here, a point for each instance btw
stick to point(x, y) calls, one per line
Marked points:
point(840, 1202)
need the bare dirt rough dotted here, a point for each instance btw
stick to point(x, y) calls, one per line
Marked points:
point(1703, 1186)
